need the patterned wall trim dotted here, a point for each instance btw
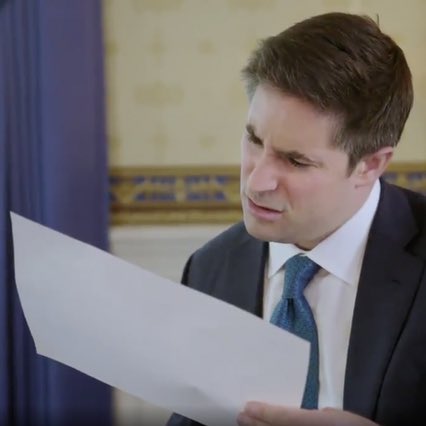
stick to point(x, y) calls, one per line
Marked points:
point(204, 195)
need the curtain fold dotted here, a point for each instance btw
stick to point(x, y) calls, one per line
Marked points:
point(53, 169)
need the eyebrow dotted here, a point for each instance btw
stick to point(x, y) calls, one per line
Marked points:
point(296, 155)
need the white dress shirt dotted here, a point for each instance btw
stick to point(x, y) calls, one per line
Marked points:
point(331, 293)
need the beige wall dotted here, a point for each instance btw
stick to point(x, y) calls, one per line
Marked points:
point(173, 87)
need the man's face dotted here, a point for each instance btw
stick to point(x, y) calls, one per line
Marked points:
point(295, 186)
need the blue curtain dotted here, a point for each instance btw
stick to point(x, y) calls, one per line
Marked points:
point(53, 169)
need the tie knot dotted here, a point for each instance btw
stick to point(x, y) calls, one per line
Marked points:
point(299, 270)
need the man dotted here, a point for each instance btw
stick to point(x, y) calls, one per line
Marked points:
point(329, 98)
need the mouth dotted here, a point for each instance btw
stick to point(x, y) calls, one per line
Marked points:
point(263, 212)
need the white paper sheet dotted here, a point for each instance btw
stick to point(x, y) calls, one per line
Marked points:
point(146, 335)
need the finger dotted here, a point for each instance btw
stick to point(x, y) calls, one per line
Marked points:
point(290, 416)
point(267, 413)
point(244, 419)
point(345, 418)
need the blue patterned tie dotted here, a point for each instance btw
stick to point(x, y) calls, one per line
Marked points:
point(294, 314)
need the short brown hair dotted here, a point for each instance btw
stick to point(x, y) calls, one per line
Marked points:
point(342, 64)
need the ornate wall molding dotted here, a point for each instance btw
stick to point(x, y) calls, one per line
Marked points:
point(203, 194)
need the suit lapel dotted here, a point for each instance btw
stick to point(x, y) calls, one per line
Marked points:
point(387, 286)
point(244, 275)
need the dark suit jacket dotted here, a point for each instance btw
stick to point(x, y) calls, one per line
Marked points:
point(386, 366)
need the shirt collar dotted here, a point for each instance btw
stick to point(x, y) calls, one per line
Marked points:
point(341, 253)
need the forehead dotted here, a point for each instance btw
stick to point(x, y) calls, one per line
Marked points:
point(281, 118)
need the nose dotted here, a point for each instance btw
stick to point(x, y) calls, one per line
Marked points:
point(263, 177)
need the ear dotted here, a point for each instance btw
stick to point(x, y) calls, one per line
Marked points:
point(372, 166)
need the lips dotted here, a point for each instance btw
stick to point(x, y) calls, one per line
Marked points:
point(265, 207)
point(263, 212)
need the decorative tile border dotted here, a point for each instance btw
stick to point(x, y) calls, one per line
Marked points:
point(185, 195)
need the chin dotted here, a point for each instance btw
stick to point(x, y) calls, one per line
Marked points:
point(263, 232)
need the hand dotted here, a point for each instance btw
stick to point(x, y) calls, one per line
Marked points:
point(261, 414)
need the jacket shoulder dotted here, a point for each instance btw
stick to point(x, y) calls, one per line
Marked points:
point(417, 202)
point(207, 265)
point(226, 240)
point(417, 205)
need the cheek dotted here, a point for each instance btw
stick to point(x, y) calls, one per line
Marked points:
point(247, 162)
point(308, 193)
point(328, 195)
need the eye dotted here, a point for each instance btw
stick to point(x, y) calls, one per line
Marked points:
point(297, 163)
point(253, 139)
